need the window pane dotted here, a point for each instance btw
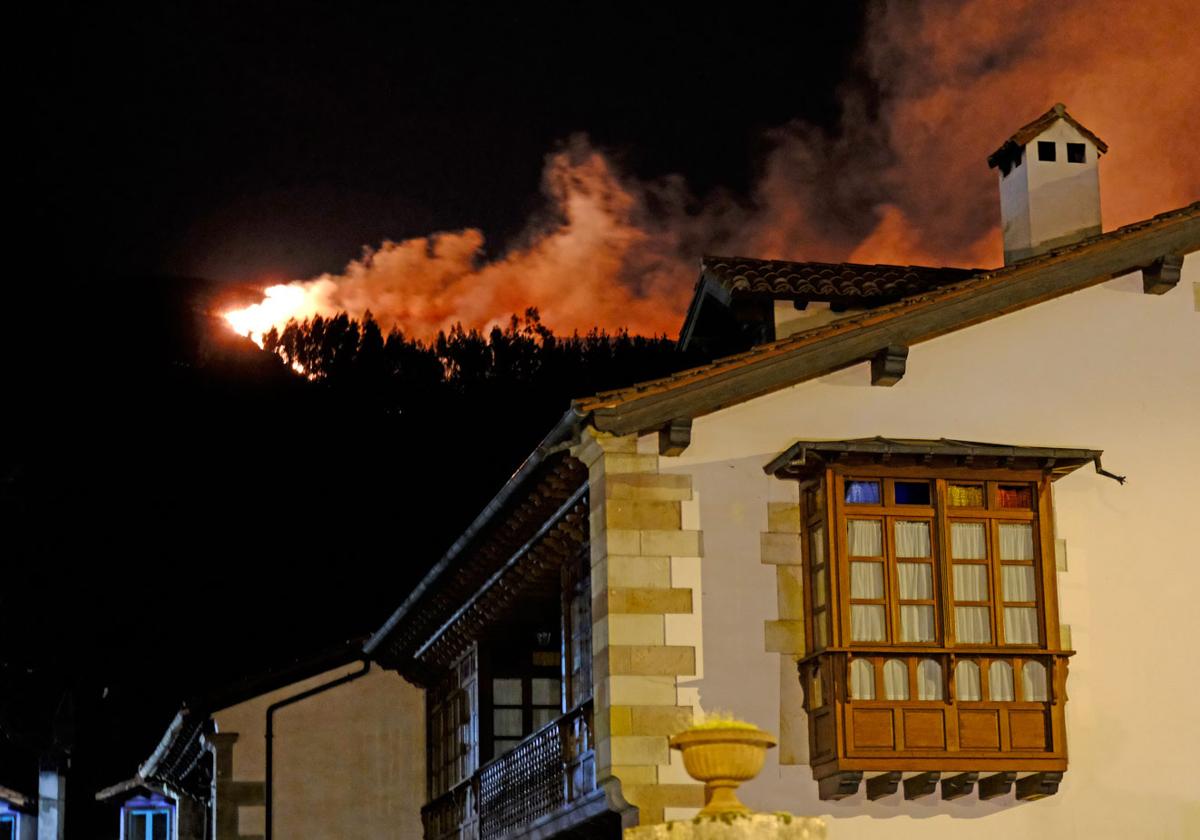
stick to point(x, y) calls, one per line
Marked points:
point(912, 539)
point(822, 625)
point(863, 492)
point(929, 680)
point(506, 692)
point(1018, 583)
point(966, 681)
point(866, 581)
point(895, 680)
point(1076, 153)
point(865, 537)
point(544, 716)
point(506, 722)
point(1033, 681)
point(916, 581)
point(1020, 625)
point(912, 492)
point(971, 625)
point(866, 623)
point(820, 587)
point(1015, 496)
point(1046, 150)
point(502, 745)
point(137, 826)
point(1000, 681)
point(968, 541)
point(970, 582)
point(965, 495)
point(546, 692)
point(862, 680)
point(916, 624)
point(1016, 542)
point(817, 545)
point(159, 826)
point(817, 698)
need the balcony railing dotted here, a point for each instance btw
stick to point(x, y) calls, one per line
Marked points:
point(545, 773)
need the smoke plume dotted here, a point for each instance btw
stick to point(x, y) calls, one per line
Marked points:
point(903, 180)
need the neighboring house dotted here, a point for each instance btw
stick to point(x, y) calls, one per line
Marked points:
point(880, 528)
point(334, 746)
point(18, 816)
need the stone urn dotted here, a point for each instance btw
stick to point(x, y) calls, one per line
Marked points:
point(723, 755)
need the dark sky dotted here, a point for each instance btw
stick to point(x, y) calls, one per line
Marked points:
point(254, 140)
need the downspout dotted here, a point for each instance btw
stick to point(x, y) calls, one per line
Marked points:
point(274, 707)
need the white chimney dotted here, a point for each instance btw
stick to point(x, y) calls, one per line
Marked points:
point(1049, 184)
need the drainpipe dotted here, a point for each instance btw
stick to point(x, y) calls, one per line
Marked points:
point(274, 707)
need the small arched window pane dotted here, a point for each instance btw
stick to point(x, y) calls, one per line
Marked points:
point(862, 680)
point(1033, 681)
point(929, 680)
point(1000, 681)
point(895, 680)
point(966, 681)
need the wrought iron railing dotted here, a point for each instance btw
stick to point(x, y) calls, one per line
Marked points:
point(547, 771)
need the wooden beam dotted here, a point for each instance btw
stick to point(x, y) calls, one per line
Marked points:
point(885, 784)
point(958, 786)
point(675, 436)
point(888, 365)
point(839, 786)
point(917, 786)
point(1162, 275)
point(1038, 786)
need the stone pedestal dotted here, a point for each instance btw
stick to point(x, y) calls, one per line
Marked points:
point(734, 827)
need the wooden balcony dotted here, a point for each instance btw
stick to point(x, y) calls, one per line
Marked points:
point(541, 781)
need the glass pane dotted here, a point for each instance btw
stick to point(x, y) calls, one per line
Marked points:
point(929, 680)
point(916, 581)
point(1033, 681)
point(970, 582)
point(866, 623)
point(866, 581)
point(863, 492)
point(546, 692)
point(965, 495)
point(865, 537)
point(1015, 496)
point(506, 692)
point(159, 826)
point(912, 539)
point(137, 826)
point(502, 745)
point(912, 492)
point(822, 624)
point(862, 680)
point(968, 541)
point(1018, 583)
point(544, 717)
point(1016, 542)
point(916, 624)
point(817, 545)
point(507, 722)
point(817, 698)
point(966, 681)
point(1000, 681)
point(895, 680)
point(819, 588)
point(971, 625)
point(1020, 625)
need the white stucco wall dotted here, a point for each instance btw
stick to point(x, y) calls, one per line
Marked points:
point(349, 763)
point(1108, 368)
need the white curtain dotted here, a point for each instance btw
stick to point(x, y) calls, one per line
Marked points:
point(929, 680)
point(506, 722)
point(916, 623)
point(866, 581)
point(1033, 681)
point(966, 681)
point(817, 545)
point(912, 539)
point(1018, 583)
point(866, 623)
point(971, 625)
point(895, 680)
point(862, 680)
point(865, 538)
point(1000, 681)
point(506, 691)
point(1016, 542)
point(970, 582)
point(916, 581)
point(968, 541)
point(1020, 625)
point(819, 587)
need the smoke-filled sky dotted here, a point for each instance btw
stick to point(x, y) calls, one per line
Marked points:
point(445, 168)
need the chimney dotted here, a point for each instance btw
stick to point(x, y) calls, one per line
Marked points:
point(1049, 185)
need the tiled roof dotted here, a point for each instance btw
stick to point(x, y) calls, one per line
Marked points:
point(975, 285)
point(844, 282)
point(1031, 130)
